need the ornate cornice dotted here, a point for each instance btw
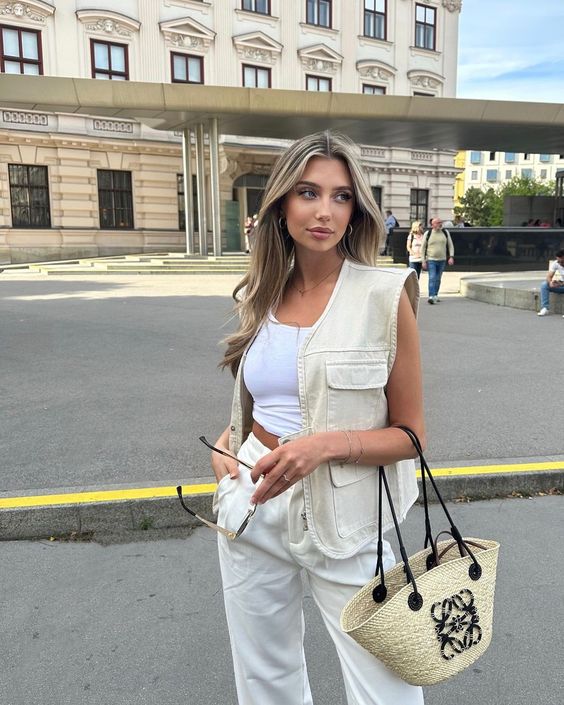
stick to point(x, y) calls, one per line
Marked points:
point(453, 5)
point(320, 58)
point(257, 46)
point(33, 10)
point(375, 70)
point(425, 79)
point(108, 23)
point(187, 33)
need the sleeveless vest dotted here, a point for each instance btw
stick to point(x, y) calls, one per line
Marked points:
point(343, 369)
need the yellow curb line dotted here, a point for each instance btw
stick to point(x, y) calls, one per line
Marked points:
point(101, 496)
point(155, 492)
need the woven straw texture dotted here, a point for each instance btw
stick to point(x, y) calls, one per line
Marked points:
point(430, 645)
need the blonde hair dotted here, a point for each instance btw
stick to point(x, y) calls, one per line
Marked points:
point(415, 226)
point(272, 258)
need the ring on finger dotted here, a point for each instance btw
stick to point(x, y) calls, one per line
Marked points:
point(285, 477)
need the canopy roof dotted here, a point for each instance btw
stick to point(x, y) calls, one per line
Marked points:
point(397, 121)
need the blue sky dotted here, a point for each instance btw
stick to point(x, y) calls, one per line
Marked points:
point(512, 50)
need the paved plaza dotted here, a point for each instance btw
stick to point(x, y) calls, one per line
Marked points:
point(110, 380)
point(143, 623)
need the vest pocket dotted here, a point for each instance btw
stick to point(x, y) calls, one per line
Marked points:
point(355, 401)
point(356, 374)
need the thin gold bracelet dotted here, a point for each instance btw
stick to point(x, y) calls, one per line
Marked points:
point(346, 460)
point(361, 450)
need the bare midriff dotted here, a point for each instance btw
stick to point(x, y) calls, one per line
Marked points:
point(267, 439)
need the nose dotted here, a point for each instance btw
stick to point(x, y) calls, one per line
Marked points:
point(323, 209)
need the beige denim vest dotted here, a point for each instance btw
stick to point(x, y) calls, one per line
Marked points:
point(343, 368)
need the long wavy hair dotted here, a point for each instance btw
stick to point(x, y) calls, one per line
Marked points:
point(272, 257)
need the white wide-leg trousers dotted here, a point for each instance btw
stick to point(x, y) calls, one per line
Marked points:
point(261, 573)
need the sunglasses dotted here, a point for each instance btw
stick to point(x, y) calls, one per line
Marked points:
point(231, 535)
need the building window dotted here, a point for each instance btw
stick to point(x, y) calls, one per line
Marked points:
point(475, 157)
point(526, 156)
point(419, 205)
point(115, 198)
point(256, 77)
point(318, 83)
point(474, 176)
point(510, 157)
point(186, 68)
point(318, 12)
point(491, 175)
point(109, 60)
point(29, 196)
point(527, 173)
point(262, 7)
point(492, 156)
point(508, 174)
point(20, 51)
point(425, 27)
point(545, 158)
point(426, 95)
point(373, 90)
point(543, 173)
point(375, 19)
point(180, 192)
point(377, 193)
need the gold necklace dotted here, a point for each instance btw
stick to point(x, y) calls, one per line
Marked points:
point(304, 291)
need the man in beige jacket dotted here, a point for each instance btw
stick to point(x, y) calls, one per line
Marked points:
point(437, 246)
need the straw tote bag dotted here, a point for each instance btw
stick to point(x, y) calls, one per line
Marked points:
point(429, 617)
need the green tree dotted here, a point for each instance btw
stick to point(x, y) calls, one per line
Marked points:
point(484, 207)
point(524, 186)
point(480, 207)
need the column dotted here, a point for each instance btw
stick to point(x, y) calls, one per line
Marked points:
point(214, 186)
point(188, 195)
point(201, 190)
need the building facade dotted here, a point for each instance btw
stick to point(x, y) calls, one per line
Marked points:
point(77, 185)
point(483, 169)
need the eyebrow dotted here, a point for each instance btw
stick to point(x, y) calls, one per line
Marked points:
point(312, 183)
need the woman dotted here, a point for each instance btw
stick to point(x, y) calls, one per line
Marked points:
point(247, 230)
point(326, 360)
point(414, 242)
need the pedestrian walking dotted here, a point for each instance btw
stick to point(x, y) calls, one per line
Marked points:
point(390, 223)
point(247, 229)
point(436, 248)
point(327, 363)
point(554, 283)
point(414, 243)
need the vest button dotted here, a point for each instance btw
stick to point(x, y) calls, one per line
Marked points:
point(232, 428)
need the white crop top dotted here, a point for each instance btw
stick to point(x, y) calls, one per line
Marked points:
point(271, 376)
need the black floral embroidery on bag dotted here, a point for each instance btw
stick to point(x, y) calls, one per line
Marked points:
point(457, 625)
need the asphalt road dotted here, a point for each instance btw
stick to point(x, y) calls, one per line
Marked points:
point(143, 623)
point(110, 380)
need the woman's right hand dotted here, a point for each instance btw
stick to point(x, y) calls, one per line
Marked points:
point(221, 465)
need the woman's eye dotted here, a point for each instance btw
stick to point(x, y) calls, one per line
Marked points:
point(344, 196)
point(308, 193)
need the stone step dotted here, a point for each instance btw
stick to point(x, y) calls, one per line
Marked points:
point(152, 263)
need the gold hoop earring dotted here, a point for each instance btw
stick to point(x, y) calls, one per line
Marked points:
point(281, 225)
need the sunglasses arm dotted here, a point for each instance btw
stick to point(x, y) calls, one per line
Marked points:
point(230, 534)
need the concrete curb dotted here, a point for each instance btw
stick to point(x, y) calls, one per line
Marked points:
point(158, 513)
point(497, 289)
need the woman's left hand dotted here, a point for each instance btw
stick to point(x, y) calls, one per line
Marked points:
point(286, 465)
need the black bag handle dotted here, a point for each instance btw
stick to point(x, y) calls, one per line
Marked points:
point(414, 600)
